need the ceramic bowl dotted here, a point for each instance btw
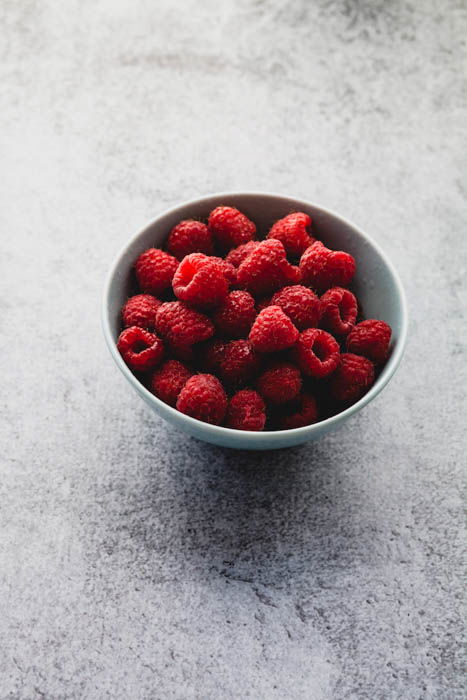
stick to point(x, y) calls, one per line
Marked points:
point(376, 285)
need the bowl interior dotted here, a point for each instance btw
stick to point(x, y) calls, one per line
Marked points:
point(376, 286)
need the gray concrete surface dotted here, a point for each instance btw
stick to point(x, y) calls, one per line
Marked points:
point(134, 561)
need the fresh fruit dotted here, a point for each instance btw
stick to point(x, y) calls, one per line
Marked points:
point(371, 339)
point(248, 343)
point(293, 231)
point(246, 411)
point(352, 378)
point(203, 397)
point(323, 268)
point(140, 349)
point(155, 270)
point(272, 331)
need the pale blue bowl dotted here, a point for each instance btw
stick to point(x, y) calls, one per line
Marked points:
point(376, 284)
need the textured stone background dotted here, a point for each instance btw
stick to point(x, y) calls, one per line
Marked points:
point(136, 562)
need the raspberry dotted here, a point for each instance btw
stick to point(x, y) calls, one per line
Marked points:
point(300, 304)
point(189, 236)
point(238, 255)
point(182, 327)
point(267, 269)
point(168, 381)
point(280, 383)
point(306, 413)
point(154, 270)
point(293, 232)
point(140, 349)
point(230, 272)
point(338, 310)
point(246, 411)
point(272, 331)
point(352, 378)
point(323, 268)
point(230, 228)
point(203, 397)
point(200, 281)
point(233, 319)
point(234, 362)
point(371, 339)
point(317, 353)
point(140, 310)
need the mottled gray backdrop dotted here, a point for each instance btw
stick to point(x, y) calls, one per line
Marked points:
point(136, 562)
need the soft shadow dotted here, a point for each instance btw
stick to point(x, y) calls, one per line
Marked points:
point(259, 517)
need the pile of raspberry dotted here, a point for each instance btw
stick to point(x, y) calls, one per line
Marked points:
point(250, 333)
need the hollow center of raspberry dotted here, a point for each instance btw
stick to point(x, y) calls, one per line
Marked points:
point(139, 346)
point(320, 351)
point(345, 311)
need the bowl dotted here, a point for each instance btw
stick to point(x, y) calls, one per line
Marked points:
point(376, 285)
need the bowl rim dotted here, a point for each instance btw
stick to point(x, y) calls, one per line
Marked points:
point(271, 435)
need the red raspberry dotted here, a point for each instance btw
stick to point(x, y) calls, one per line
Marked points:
point(338, 310)
point(280, 383)
point(323, 268)
point(203, 397)
point(211, 355)
point(168, 381)
point(154, 270)
point(305, 414)
point(234, 362)
point(317, 353)
point(233, 319)
point(238, 255)
point(371, 339)
point(230, 228)
point(140, 349)
point(230, 272)
point(272, 331)
point(200, 281)
point(293, 232)
point(187, 237)
point(352, 378)
point(182, 327)
point(267, 269)
point(246, 411)
point(300, 304)
point(140, 310)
